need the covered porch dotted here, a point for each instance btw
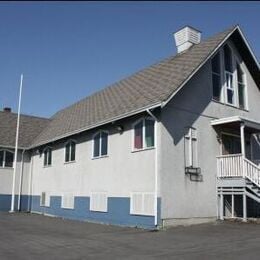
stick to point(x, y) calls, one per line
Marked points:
point(238, 165)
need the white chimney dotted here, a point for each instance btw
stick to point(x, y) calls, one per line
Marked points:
point(186, 37)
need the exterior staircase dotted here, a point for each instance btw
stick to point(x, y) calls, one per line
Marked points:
point(237, 175)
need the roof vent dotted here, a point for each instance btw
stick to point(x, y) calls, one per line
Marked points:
point(7, 109)
point(186, 37)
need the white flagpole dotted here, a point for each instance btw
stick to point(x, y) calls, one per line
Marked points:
point(16, 144)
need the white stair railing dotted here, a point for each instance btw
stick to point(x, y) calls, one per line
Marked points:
point(252, 172)
point(234, 165)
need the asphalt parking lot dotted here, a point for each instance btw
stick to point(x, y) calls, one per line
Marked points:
point(29, 236)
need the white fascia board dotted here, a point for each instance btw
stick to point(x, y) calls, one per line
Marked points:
point(13, 147)
point(248, 122)
point(197, 69)
point(159, 104)
point(225, 120)
point(249, 48)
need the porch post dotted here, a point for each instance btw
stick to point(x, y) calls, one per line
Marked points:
point(232, 206)
point(242, 136)
point(244, 207)
point(243, 150)
point(221, 213)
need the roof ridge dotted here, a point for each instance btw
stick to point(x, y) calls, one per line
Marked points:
point(231, 28)
point(25, 115)
point(154, 84)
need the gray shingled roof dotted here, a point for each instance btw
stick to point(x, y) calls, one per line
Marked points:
point(30, 127)
point(146, 88)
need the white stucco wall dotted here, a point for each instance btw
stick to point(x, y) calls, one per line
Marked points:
point(193, 106)
point(118, 174)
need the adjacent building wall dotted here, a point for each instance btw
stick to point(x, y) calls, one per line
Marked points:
point(21, 182)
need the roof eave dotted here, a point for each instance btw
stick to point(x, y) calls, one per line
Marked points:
point(134, 112)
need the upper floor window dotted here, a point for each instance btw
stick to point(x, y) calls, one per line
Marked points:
point(144, 134)
point(70, 151)
point(228, 78)
point(241, 87)
point(47, 156)
point(100, 144)
point(216, 77)
point(229, 74)
point(6, 158)
point(228, 59)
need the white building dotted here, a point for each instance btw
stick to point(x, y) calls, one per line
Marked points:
point(175, 143)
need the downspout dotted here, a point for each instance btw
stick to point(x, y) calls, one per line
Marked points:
point(156, 167)
point(30, 183)
point(20, 182)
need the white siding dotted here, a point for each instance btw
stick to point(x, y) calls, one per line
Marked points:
point(142, 203)
point(98, 201)
point(67, 201)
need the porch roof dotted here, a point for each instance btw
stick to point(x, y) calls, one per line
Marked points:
point(235, 121)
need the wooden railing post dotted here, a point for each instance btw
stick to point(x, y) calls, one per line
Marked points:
point(243, 150)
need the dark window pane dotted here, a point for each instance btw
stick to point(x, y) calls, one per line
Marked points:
point(230, 95)
point(216, 86)
point(241, 95)
point(96, 145)
point(45, 157)
point(228, 58)
point(138, 135)
point(67, 152)
point(72, 151)
point(104, 137)
point(215, 63)
point(1, 158)
point(9, 158)
point(49, 156)
point(240, 73)
point(149, 133)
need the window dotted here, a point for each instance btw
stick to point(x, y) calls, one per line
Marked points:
point(70, 151)
point(229, 75)
point(228, 59)
point(100, 144)
point(142, 203)
point(191, 153)
point(241, 87)
point(47, 156)
point(45, 199)
point(6, 158)
point(98, 201)
point(67, 201)
point(144, 134)
point(228, 86)
point(216, 77)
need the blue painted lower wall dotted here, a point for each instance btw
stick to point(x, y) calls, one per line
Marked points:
point(118, 210)
point(5, 202)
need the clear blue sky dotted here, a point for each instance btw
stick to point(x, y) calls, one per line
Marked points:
point(68, 50)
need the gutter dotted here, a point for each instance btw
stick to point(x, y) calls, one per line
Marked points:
point(158, 104)
point(30, 183)
point(156, 171)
